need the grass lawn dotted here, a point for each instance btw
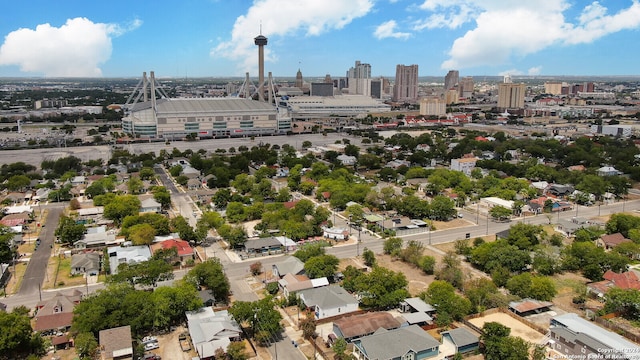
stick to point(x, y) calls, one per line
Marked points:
point(59, 274)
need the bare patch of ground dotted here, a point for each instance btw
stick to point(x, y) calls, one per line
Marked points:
point(517, 328)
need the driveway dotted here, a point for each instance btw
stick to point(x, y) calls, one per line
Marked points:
point(34, 275)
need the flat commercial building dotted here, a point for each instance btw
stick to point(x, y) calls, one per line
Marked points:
point(204, 117)
point(308, 107)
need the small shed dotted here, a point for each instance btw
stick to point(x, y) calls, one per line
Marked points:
point(464, 340)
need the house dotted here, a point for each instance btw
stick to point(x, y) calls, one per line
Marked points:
point(150, 205)
point(608, 171)
point(347, 160)
point(293, 283)
point(290, 265)
point(184, 250)
point(78, 180)
point(85, 263)
point(610, 241)
point(194, 184)
point(463, 340)
point(560, 191)
point(625, 280)
point(566, 227)
point(262, 245)
point(57, 312)
point(356, 326)
point(465, 165)
point(404, 343)
point(116, 343)
point(335, 233)
point(575, 337)
point(329, 301)
point(211, 330)
point(529, 307)
point(97, 238)
point(129, 255)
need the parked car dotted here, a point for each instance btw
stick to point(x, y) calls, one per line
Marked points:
point(148, 339)
point(151, 346)
point(151, 356)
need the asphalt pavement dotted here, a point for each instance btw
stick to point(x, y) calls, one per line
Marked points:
point(37, 266)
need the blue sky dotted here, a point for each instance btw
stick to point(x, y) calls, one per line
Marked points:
point(202, 38)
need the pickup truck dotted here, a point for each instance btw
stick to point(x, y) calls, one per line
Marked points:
point(185, 345)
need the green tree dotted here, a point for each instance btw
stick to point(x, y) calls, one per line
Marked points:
point(68, 232)
point(449, 306)
point(17, 338)
point(121, 207)
point(392, 245)
point(381, 288)
point(369, 257)
point(162, 196)
point(147, 173)
point(500, 346)
point(236, 351)
point(308, 251)
point(321, 266)
point(141, 234)
point(18, 182)
point(623, 301)
point(499, 212)
point(308, 325)
point(86, 345)
point(451, 270)
point(484, 294)
point(148, 272)
point(211, 275)
point(7, 250)
point(260, 315)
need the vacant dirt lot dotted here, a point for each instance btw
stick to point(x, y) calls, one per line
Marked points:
point(517, 328)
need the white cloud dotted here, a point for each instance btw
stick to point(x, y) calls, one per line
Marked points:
point(388, 30)
point(75, 49)
point(514, 29)
point(536, 70)
point(510, 72)
point(280, 18)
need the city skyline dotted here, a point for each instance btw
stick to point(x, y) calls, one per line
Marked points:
point(215, 38)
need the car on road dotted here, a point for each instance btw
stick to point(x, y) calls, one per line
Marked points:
point(151, 356)
point(151, 346)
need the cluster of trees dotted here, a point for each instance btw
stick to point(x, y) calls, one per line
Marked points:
point(260, 317)
point(18, 340)
point(118, 207)
point(7, 251)
point(380, 288)
point(413, 253)
point(121, 304)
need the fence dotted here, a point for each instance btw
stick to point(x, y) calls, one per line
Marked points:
point(604, 321)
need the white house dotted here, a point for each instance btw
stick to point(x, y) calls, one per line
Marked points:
point(211, 330)
point(329, 301)
point(466, 165)
point(130, 255)
point(150, 205)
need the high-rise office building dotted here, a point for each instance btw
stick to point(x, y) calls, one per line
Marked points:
point(451, 79)
point(466, 87)
point(511, 96)
point(359, 79)
point(451, 96)
point(299, 81)
point(406, 84)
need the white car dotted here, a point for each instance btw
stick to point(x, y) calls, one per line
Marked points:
point(148, 339)
point(151, 346)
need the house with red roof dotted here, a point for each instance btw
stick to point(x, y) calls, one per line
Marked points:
point(625, 280)
point(185, 251)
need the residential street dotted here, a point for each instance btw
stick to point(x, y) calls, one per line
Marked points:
point(37, 266)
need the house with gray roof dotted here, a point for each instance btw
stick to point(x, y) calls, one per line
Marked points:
point(262, 245)
point(85, 263)
point(150, 205)
point(463, 340)
point(129, 255)
point(97, 238)
point(210, 330)
point(575, 337)
point(290, 265)
point(410, 342)
point(328, 301)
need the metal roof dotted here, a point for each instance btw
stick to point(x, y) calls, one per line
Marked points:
point(462, 337)
point(200, 105)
